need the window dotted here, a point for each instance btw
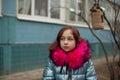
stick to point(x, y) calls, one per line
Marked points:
point(44, 8)
point(60, 11)
point(108, 9)
point(76, 7)
point(0, 7)
point(41, 7)
point(24, 7)
point(109, 12)
point(55, 9)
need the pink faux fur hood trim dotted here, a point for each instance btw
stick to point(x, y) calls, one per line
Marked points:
point(74, 59)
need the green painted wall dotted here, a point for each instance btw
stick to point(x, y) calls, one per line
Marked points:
point(7, 37)
point(97, 49)
point(7, 27)
point(1, 60)
point(23, 57)
point(28, 56)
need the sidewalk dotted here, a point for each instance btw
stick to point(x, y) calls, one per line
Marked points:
point(28, 75)
point(100, 66)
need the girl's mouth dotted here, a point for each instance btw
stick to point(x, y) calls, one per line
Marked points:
point(66, 47)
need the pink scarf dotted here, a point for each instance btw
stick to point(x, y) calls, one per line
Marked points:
point(75, 59)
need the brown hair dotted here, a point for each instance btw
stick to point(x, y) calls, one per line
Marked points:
point(56, 43)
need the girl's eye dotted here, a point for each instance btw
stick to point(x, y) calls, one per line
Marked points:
point(62, 38)
point(70, 39)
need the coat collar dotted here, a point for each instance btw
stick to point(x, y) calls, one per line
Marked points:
point(74, 59)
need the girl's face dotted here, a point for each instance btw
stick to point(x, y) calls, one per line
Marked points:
point(67, 41)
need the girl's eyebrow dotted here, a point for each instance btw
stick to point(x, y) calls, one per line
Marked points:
point(67, 36)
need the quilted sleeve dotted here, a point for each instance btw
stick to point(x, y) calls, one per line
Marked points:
point(90, 73)
point(48, 73)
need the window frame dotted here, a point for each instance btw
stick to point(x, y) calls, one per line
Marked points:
point(63, 19)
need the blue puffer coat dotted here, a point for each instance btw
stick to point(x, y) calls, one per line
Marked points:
point(86, 72)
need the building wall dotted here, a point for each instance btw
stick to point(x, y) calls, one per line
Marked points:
point(24, 44)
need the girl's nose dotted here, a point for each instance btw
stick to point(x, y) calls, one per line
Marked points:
point(66, 41)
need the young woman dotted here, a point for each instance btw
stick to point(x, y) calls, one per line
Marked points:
point(69, 57)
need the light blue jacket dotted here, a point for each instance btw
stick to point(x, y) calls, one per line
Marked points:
point(86, 72)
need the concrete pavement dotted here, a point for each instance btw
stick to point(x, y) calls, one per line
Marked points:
point(28, 75)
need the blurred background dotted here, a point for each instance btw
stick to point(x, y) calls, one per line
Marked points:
point(28, 27)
